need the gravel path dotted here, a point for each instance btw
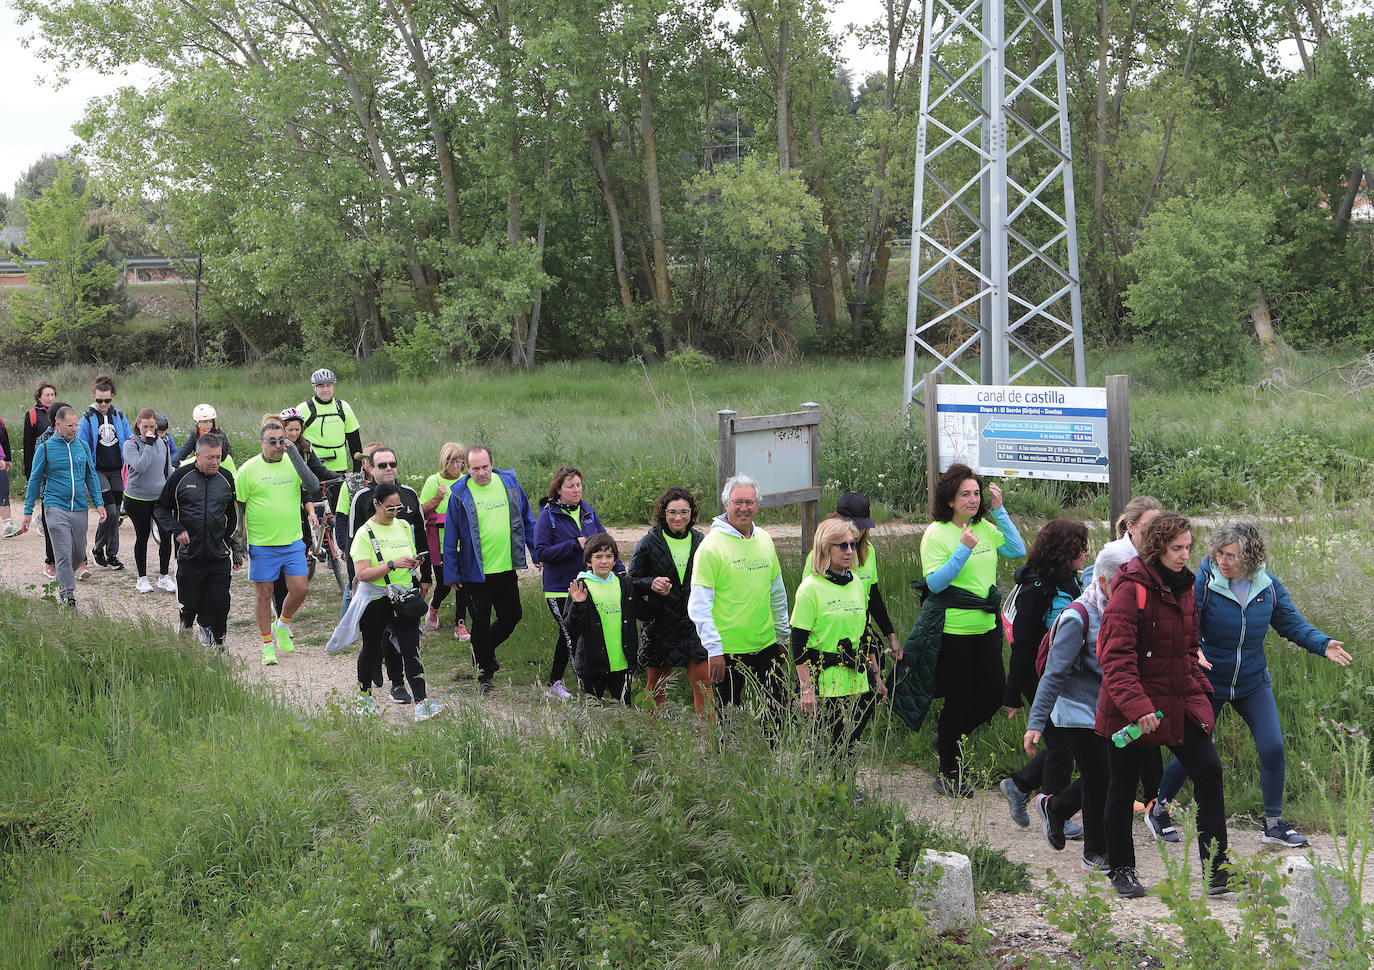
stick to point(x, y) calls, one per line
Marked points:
point(309, 678)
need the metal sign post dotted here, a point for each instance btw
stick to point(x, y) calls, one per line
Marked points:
point(782, 452)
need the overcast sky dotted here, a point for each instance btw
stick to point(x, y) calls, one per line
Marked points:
point(39, 116)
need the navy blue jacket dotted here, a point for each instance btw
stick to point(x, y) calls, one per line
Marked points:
point(1232, 634)
point(463, 544)
point(556, 546)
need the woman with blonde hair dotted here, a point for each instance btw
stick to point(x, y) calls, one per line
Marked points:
point(434, 504)
point(829, 615)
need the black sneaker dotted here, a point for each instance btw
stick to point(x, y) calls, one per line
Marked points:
point(1160, 822)
point(377, 681)
point(1126, 884)
point(99, 556)
point(1281, 833)
point(399, 695)
point(113, 563)
point(1219, 883)
point(1052, 828)
point(1095, 863)
point(484, 687)
point(954, 787)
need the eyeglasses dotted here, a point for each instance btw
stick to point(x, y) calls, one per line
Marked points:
point(685, 513)
point(104, 400)
point(847, 546)
point(274, 442)
point(383, 464)
point(393, 509)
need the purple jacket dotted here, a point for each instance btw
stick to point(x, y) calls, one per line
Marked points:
point(556, 545)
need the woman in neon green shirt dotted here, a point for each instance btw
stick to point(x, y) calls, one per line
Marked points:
point(434, 504)
point(829, 615)
point(960, 549)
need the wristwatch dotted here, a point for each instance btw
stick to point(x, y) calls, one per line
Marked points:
point(391, 565)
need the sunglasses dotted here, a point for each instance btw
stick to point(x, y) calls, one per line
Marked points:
point(847, 546)
point(383, 464)
point(104, 400)
point(393, 509)
point(274, 442)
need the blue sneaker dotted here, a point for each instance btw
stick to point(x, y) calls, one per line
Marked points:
point(1017, 800)
point(1073, 831)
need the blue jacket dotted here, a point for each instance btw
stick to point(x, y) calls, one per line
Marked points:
point(64, 472)
point(463, 543)
point(1232, 634)
point(90, 424)
point(556, 546)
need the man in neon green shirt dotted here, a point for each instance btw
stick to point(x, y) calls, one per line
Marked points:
point(269, 493)
point(738, 601)
point(330, 426)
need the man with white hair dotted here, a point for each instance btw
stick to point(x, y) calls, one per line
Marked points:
point(738, 601)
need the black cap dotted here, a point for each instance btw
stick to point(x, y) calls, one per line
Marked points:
point(161, 421)
point(854, 507)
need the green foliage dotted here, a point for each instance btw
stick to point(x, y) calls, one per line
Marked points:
point(1197, 266)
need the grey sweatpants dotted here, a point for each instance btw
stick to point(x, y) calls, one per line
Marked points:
point(107, 532)
point(67, 530)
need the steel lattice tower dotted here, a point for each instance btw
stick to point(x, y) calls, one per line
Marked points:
point(994, 246)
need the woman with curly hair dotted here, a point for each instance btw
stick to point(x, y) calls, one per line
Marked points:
point(959, 554)
point(1047, 583)
point(662, 566)
point(1238, 601)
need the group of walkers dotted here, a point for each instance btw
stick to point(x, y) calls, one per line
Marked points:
point(1142, 653)
point(1135, 653)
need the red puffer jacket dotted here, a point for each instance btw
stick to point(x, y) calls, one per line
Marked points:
point(1149, 662)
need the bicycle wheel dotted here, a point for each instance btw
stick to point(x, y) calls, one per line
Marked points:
point(337, 566)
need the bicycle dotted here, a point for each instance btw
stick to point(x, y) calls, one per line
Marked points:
point(324, 549)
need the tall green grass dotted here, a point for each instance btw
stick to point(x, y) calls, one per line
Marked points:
point(155, 813)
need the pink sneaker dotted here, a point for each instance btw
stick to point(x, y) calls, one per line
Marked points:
point(432, 619)
point(556, 689)
point(461, 631)
point(50, 570)
point(83, 571)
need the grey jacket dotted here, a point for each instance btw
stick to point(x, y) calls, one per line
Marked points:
point(1073, 678)
point(149, 467)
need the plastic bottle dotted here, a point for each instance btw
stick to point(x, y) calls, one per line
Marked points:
point(1130, 732)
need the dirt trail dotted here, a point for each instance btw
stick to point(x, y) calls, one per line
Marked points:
point(309, 678)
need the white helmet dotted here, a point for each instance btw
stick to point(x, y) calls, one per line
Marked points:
point(322, 376)
point(203, 412)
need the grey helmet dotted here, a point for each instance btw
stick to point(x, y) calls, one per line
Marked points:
point(322, 376)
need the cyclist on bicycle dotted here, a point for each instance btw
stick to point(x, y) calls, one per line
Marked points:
point(329, 425)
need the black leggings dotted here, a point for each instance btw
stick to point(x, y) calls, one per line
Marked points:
point(47, 539)
point(844, 718)
point(141, 515)
point(1199, 758)
point(618, 684)
point(440, 593)
point(1089, 792)
point(766, 671)
point(562, 645)
point(969, 676)
point(377, 620)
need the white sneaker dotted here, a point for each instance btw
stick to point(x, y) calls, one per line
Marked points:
point(164, 583)
point(143, 585)
point(367, 707)
point(427, 709)
point(10, 530)
point(556, 689)
point(206, 638)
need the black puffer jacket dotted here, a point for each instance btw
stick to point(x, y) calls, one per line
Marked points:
point(202, 506)
point(668, 638)
point(589, 658)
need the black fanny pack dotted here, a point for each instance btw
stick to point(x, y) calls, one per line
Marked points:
point(845, 656)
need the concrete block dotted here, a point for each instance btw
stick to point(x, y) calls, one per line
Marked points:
point(1307, 913)
point(944, 890)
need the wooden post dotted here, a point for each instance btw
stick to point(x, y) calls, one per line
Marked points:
point(1118, 445)
point(932, 402)
point(811, 510)
point(725, 451)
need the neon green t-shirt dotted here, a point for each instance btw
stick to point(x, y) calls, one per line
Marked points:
point(741, 571)
point(397, 541)
point(271, 493)
point(977, 576)
point(437, 484)
point(493, 524)
point(833, 613)
point(681, 551)
point(605, 596)
point(328, 432)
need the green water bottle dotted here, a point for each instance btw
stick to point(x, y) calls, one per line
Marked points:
point(1130, 732)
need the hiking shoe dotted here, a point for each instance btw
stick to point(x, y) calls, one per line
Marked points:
point(399, 695)
point(114, 563)
point(1126, 884)
point(556, 689)
point(1072, 830)
point(205, 638)
point(484, 687)
point(460, 630)
point(1094, 863)
point(427, 709)
point(1017, 800)
point(1219, 882)
point(283, 635)
point(66, 599)
point(1052, 828)
point(100, 560)
point(165, 583)
point(143, 586)
point(432, 619)
point(367, 707)
point(954, 787)
point(50, 570)
point(83, 571)
point(1281, 833)
point(10, 531)
point(1161, 823)
point(269, 653)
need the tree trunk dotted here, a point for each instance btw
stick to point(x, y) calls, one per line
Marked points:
point(780, 92)
point(609, 192)
point(662, 288)
point(532, 337)
point(1264, 326)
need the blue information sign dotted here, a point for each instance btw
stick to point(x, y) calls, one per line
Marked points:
point(1031, 432)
